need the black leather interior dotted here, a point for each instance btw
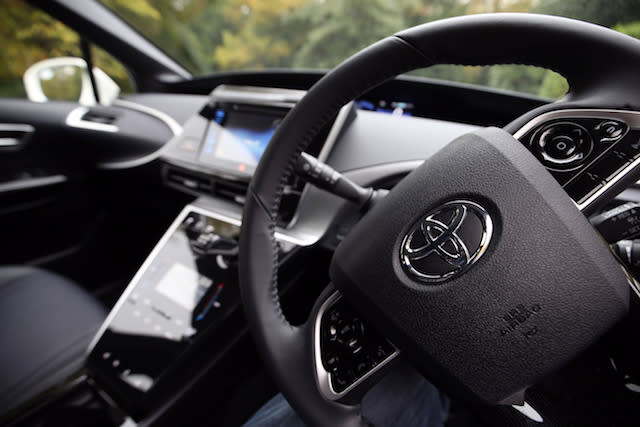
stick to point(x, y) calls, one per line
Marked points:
point(46, 325)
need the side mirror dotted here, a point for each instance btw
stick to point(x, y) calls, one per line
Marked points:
point(66, 78)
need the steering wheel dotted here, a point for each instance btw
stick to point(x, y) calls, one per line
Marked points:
point(478, 235)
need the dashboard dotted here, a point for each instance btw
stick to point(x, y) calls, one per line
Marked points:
point(591, 153)
point(186, 291)
point(183, 303)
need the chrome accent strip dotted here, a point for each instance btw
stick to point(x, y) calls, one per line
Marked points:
point(10, 142)
point(173, 125)
point(322, 376)
point(633, 283)
point(256, 95)
point(74, 119)
point(608, 185)
point(20, 127)
point(631, 118)
point(30, 183)
point(128, 422)
point(526, 410)
point(329, 142)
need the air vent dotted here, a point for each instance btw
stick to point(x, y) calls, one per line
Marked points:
point(101, 117)
point(197, 184)
point(188, 181)
point(231, 190)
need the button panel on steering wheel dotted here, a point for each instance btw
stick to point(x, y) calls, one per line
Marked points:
point(587, 151)
point(350, 349)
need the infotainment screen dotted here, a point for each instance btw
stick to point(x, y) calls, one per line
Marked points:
point(189, 285)
point(237, 137)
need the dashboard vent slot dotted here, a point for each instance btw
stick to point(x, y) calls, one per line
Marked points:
point(193, 183)
point(101, 117)
point(231, 190)
point(198, 184)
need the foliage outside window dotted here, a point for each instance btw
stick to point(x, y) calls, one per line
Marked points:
point(215, 36)
point(29, 35)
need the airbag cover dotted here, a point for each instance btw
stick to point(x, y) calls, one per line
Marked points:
point(544, 289)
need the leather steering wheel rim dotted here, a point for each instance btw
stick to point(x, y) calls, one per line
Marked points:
point(563, 45)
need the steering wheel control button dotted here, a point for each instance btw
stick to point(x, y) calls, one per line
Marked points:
point(630, 145)
point(349, 349)
point(446, 242)
point(609, 166)
point(610, 130)
point(584, 186)
point(562, 146)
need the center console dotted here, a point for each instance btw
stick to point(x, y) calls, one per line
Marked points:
point(183, 305)
point(179, 324)
point(184, 291)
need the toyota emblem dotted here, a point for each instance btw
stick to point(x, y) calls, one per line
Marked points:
point(446, 242)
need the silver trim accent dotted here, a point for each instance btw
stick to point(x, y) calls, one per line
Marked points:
point(30, 183)
point(74, 119)
point(154, 253)
point(9, 142)
point(134, 162)
point(526, 410)
point(582, 206)
point(633, 283)
point(322, 376)
point(330, 141)
point(256, 95)
point(631, 118)
point(336, 129)
point(460, 260)
point(14, 127)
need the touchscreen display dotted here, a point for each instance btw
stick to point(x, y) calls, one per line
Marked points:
point(236, 139)
point(183, 285)
point(189, 286)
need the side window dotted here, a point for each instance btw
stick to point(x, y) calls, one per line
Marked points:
point(28, 36)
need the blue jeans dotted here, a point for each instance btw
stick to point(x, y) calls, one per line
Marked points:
point(402, 398)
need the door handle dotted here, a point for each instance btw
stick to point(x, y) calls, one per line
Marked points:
point(14, 135)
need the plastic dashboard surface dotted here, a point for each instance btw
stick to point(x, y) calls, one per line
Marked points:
point(375, 146)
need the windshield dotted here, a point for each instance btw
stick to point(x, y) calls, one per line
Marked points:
point(224, 35)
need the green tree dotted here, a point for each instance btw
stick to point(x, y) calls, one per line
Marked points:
point(604, 12)
point(632, 29)
point(183, 27)
point(28, 35)
point(255, 35)
point(339, 28)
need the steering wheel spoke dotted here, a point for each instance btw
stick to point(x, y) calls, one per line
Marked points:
point(350, 354)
